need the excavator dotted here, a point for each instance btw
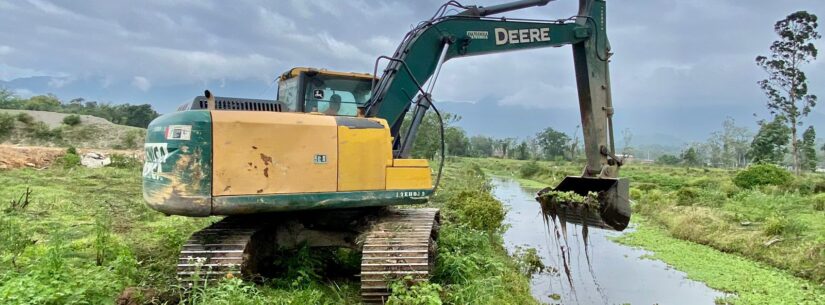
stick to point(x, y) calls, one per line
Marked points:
point(328, 162)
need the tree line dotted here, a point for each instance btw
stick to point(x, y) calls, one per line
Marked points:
point(123, 114)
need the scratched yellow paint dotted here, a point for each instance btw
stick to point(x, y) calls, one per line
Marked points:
point(273, 153)
point(362, 158)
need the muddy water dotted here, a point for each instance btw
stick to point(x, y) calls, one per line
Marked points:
point(616, 274)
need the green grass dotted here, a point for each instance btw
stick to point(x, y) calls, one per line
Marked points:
point(705, 206)
point(86, 235)
point(750, 282)
point(782, 226)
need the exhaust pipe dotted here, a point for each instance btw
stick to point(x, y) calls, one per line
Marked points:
point(605, 203)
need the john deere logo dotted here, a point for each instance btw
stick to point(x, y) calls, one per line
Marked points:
point(478, 34)
point(505, 36)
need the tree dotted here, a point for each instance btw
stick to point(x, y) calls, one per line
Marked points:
point(138, 115)
point(808, 148)
point(481, 146)
point(729, 147)
point(552, 143)
point(769, 144)
point(627, 136)
point(668, 159)
point(575, 144)
point(690, 157)
point(428, 139)
point(506, 145)
point(8, 100)
point(456, 141)
point(522, 151)
point(43, 103)
point(787, 86)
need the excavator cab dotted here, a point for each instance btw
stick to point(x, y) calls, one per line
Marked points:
point(323, 91)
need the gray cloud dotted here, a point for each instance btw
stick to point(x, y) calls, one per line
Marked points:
point(668, 54)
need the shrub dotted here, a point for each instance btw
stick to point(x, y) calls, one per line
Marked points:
point(728, 188)
point(702, 182)
point(781, 225)
point(529, 169)
point(645, 186)
point(635, 193)
point(122, 161)
point(41, 131)
point(132, 138)
point(409, 292)
point(25, 118)
point(668, 160)
point(6, 125)
point(69, 160)
point(71, 120)
point(762, 174)
point(478, 210)
point(687, 195)
point(818, 202)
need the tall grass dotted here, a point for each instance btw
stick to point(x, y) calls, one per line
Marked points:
point(86, 236)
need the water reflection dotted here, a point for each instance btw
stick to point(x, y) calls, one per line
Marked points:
point(597, 272)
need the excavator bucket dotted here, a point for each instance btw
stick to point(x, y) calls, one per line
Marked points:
point(604, 205)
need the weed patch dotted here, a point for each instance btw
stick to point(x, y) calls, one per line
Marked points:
point(762, 174)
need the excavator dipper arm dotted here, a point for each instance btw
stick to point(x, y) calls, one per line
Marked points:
point(472, 33)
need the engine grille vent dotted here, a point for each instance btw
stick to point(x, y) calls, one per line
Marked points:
point(242, 104)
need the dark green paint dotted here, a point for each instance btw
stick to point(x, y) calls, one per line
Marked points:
point(251, 204)
point(184, 183)
point(397, 88)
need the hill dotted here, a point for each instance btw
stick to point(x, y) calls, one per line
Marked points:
point(44, 128)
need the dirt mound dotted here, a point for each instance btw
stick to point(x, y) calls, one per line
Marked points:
point(55, 119)
point(47, 129)
point(42, 157)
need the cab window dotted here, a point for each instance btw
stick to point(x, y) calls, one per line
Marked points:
point(288, 94)
point(336, 95)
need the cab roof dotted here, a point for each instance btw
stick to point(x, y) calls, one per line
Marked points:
point(298, 70)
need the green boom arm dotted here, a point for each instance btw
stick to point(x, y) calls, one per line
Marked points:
point(470, 33)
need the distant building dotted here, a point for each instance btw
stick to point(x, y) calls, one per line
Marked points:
point(628, 158)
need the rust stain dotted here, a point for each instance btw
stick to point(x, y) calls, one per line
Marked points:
point(266, 172)
point(254, 147)
point(226, 189)
point(260, 191)
point(267, 159)
point(249, 163)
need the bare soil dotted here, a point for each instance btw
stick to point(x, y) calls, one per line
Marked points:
point(12, 156)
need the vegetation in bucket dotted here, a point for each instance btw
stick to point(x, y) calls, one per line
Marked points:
point(570, 199)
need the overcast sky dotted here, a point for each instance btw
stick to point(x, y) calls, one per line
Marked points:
point(680, 67)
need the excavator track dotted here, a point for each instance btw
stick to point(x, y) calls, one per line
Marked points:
point(221, 250)
point(396, 244)
point(400, 244)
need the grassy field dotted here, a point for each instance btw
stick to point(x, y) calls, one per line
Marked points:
point(777, 226)
point(85, 236)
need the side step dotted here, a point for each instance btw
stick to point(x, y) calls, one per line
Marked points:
point(400, 244)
